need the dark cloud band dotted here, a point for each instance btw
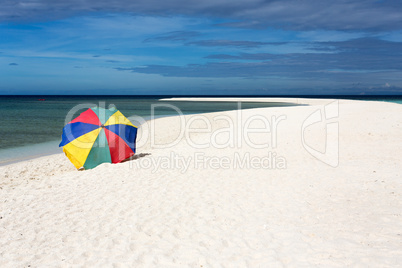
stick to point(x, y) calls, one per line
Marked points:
point(358, 57)
point(369, 15)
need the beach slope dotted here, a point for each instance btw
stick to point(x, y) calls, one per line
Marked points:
point(314, 184)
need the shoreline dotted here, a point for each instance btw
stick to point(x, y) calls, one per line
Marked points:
point(29, 152)
point(51, 148)
point(52, 151)
point(19, 154)
point(47, 152)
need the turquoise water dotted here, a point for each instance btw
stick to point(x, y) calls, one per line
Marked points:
point(395, 101)
point(32, 127)
point(389, 99)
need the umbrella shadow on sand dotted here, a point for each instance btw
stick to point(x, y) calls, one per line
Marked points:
point(135, 157)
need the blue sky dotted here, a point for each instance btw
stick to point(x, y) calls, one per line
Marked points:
point(232, 47)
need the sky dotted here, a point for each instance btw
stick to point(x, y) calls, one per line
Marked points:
point(182, 47)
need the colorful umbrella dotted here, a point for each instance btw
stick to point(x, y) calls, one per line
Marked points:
point(98, 136)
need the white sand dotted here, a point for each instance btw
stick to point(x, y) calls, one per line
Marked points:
point(298, 212)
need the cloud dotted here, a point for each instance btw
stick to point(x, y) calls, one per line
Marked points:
point(303, 15)
point(359, 58)
point(361, 45)
point(357, 54)
point(371, 15)
point(186, 36)
point(233, 69)
point(244, 56)
point(174, 36)
point(221, 57)
point(232, 43)
point(230, 69)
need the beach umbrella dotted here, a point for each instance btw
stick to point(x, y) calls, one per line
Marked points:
point(98, 136)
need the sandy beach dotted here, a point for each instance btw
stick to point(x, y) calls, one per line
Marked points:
point(316, 184)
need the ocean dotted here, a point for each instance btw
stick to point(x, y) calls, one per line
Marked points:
point(31, 126)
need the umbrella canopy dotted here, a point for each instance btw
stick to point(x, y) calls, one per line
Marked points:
point(98, 136)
